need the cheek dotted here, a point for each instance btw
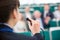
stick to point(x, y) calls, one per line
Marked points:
point(38, 15)
point(17, 16)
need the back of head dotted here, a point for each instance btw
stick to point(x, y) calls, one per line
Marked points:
point(6, 8)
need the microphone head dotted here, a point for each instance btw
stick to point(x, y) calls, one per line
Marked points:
point(28, 19)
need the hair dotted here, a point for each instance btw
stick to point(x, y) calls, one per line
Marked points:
point(46, 4)
point(6, 9)
point(37, 11)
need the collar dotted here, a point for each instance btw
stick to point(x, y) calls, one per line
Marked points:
point(5, 28)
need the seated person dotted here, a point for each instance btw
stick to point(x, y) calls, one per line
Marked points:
point(47, 12)
point(37, 16)
point(57, 13)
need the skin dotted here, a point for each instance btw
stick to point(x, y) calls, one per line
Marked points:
point(47, 19)
point(46, 7)
point(59, 7)
point(27, 9)
point(37, 14)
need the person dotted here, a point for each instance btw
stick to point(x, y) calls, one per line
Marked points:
point(9, 16)
point(37, 17)
point(46, 13)
point(27, 12)
point(20, 26)
point(57, 13)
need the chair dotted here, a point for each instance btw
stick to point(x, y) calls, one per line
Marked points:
point(45, 34)
point(53, 23)
point(54, 33)
point(59, 23)
point(26, 33)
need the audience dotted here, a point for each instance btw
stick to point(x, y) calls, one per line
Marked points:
point(57, 13)
point(37, 16)
point(44, 17)
point(20, 26)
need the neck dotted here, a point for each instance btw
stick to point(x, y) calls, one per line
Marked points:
point(11, 24)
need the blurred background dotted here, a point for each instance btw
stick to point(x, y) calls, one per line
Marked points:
point(46, 12)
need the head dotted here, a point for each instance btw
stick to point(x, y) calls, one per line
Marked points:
point(27, 9)
point(37, 14)
point(46, 7)
point(9, 11)
point(47, 18)
point(59, 7)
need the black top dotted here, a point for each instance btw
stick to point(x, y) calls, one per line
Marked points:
point(6, 33)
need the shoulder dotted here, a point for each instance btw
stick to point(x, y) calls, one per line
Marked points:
point(14, 36)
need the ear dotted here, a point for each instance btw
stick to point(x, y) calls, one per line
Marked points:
point(15, 14)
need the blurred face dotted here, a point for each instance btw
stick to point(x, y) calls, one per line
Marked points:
point(37, 14)
point(46, 7)
point(47, 18)
point(59, 7)
point(27, 9)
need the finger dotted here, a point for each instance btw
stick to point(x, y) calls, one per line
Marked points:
point(31, 22)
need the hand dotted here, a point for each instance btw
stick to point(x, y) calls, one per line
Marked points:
point(35, 27)
point(46, 22)
point(47, 19)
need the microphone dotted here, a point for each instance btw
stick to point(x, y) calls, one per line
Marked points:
point(29, 21)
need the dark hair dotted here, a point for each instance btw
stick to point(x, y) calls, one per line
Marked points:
point(6, 8)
